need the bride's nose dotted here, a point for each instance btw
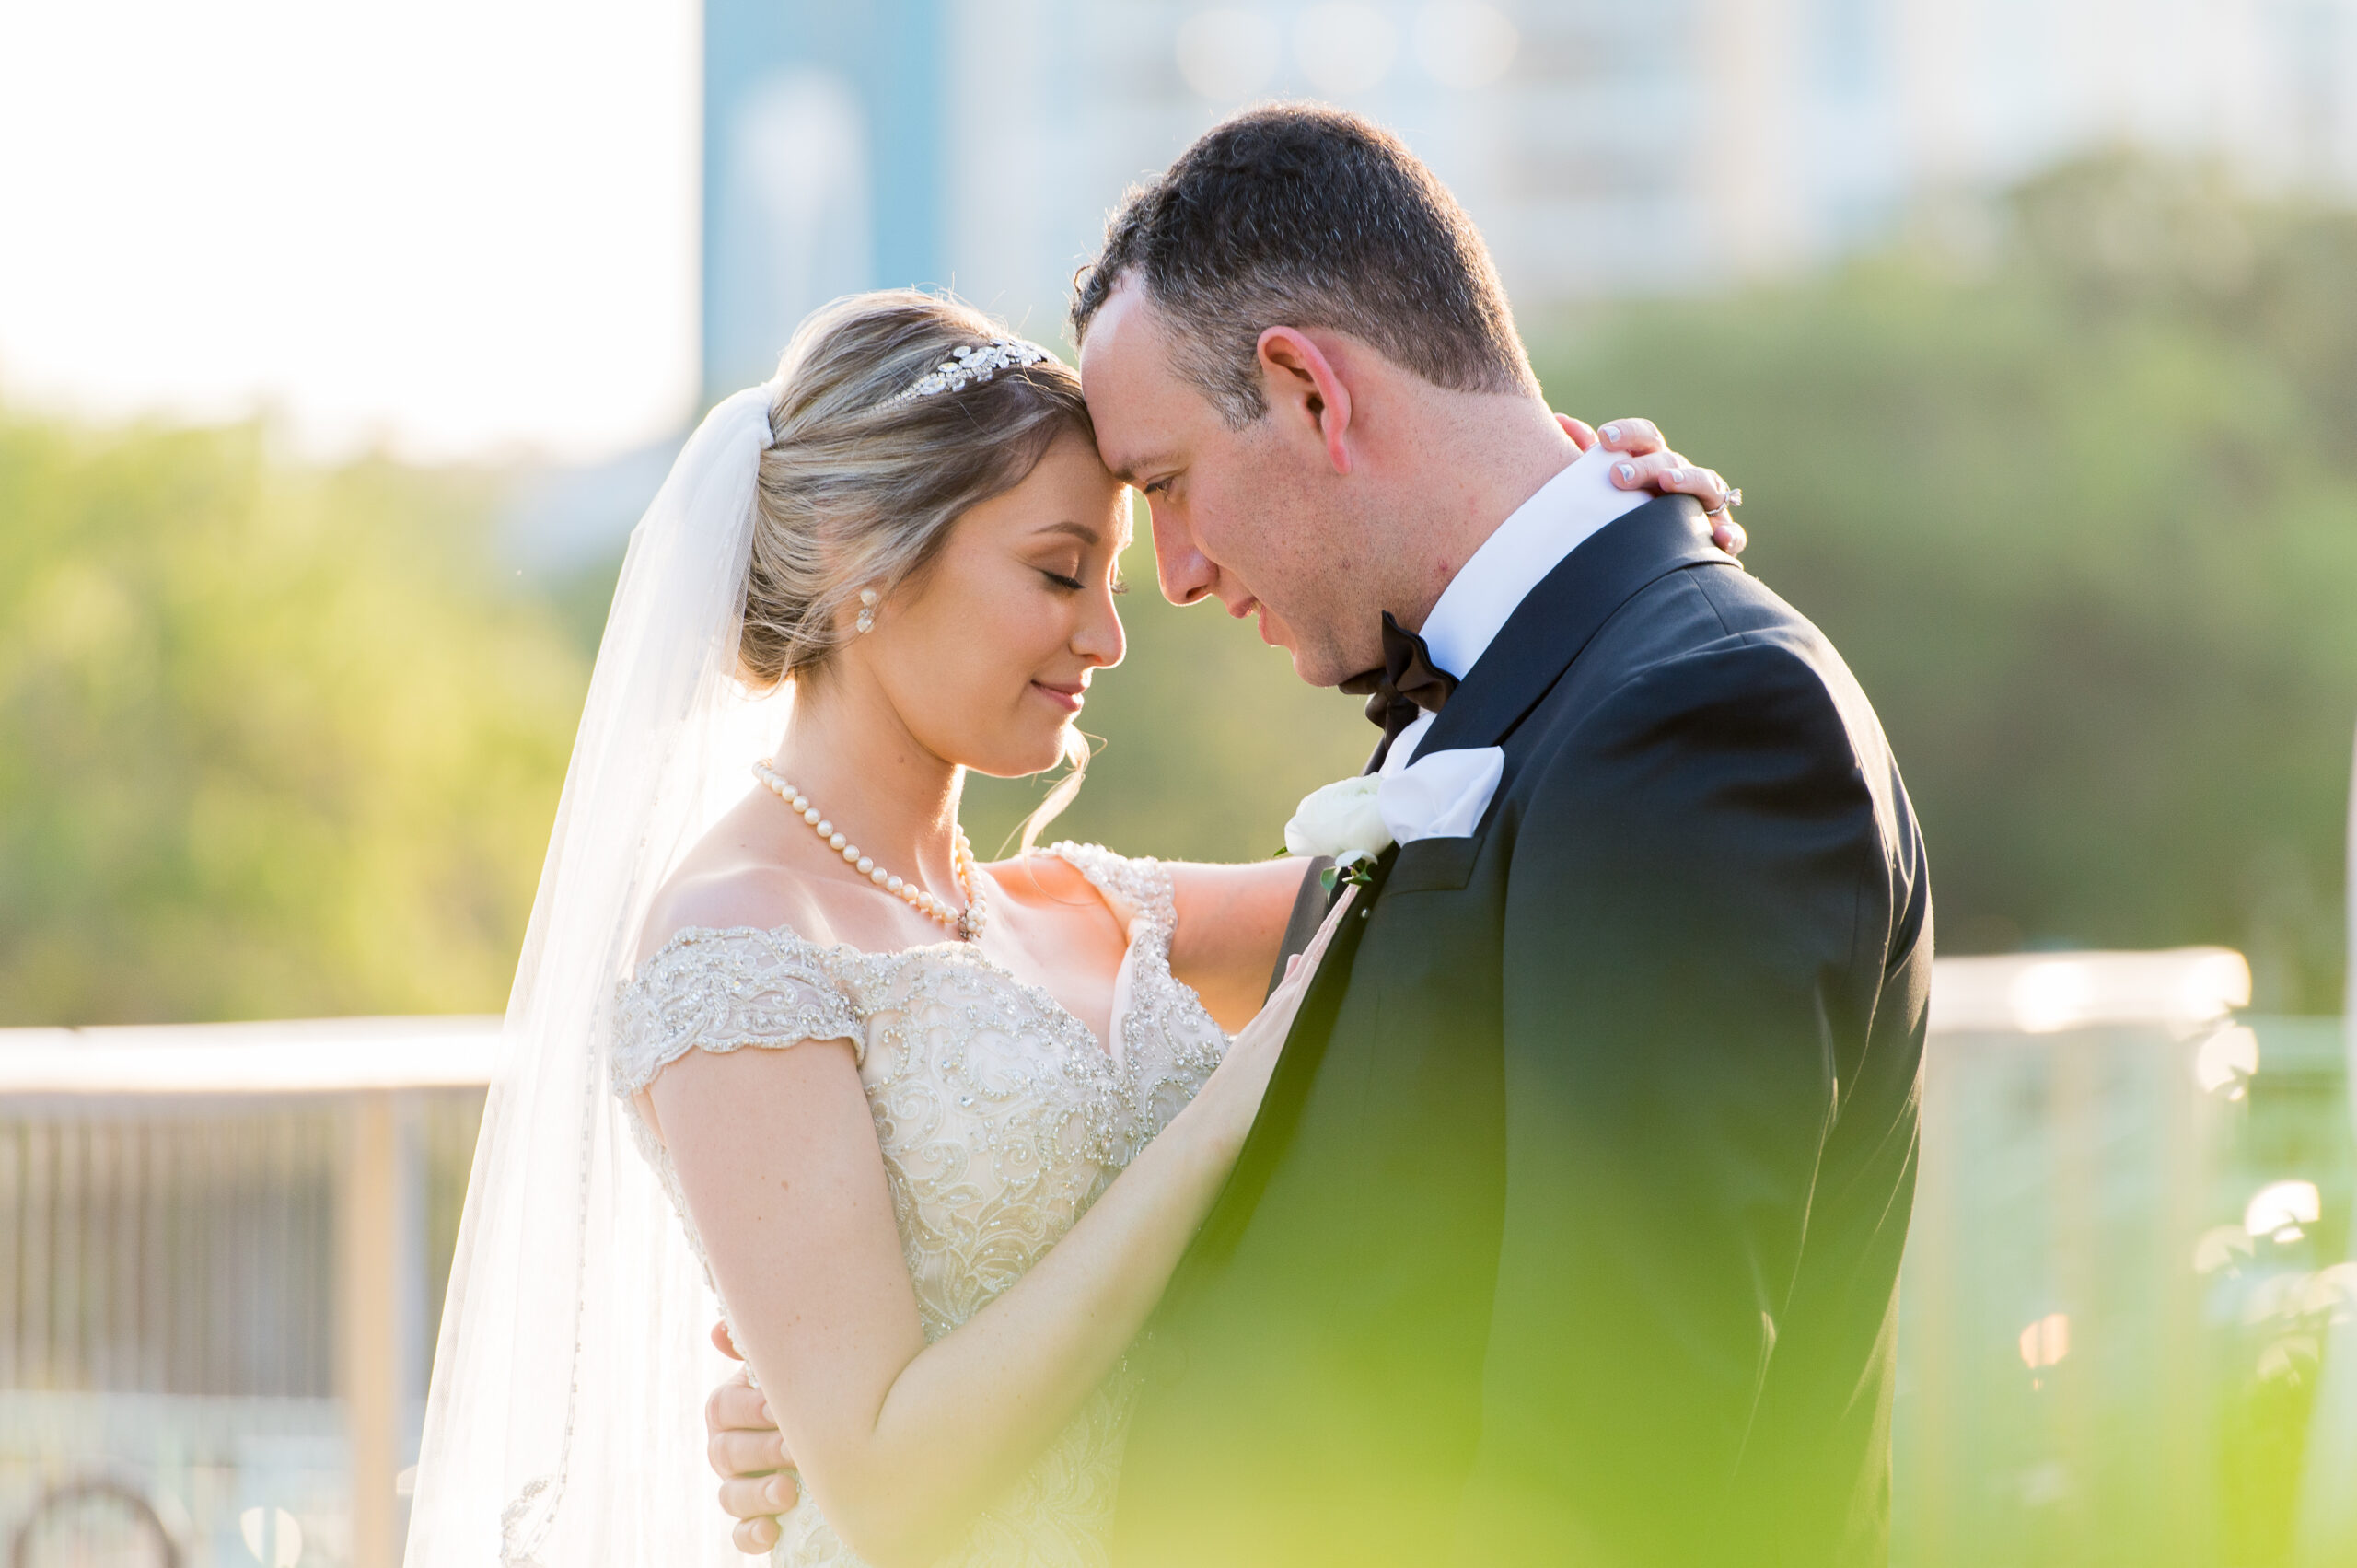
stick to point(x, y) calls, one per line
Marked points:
point(1099, 637)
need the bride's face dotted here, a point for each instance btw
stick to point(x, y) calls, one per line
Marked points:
point(987, 656)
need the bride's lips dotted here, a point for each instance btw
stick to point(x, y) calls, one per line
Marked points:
point(1068, 698)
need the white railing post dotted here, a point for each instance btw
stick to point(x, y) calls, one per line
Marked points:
point(369, 1233)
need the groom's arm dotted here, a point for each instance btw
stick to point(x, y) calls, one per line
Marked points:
point(1693, 888)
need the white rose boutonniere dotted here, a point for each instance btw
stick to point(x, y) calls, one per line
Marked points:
point(1344, 820)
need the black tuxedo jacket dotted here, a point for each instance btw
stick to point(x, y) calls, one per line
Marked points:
point(1569, 1231)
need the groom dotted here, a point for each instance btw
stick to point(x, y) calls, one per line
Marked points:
point(1569, 1229)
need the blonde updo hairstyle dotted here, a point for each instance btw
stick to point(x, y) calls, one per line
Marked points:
point(860, 486)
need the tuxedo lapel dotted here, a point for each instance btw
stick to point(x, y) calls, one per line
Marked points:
point(1535, 646)
point(1558, 616)
point(1281, 1106)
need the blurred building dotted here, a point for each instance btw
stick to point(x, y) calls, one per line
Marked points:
point(1603, 147)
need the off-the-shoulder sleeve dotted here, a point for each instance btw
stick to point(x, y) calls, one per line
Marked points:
point(722, 990)
point(1138, 890)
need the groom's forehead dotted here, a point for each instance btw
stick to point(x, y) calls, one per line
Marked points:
point(1127, 349)
point(1144, 410)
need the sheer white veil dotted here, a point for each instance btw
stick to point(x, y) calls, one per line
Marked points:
point(565, 1427)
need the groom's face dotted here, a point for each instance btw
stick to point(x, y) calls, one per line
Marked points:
point(1243, 517)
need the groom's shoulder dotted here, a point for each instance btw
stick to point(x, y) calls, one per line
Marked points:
point(1716, 641)
point(1718, 605)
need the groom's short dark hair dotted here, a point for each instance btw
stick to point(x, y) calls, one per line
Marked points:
point(1303, 216)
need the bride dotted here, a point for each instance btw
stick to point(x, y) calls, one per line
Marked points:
point(938, 1131)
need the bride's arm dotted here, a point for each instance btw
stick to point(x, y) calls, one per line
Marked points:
point(1231, 921)
point(900, 1443)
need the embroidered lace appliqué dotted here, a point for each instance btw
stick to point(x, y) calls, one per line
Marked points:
point(1001, 1120)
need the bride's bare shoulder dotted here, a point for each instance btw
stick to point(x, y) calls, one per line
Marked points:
point(727, 881)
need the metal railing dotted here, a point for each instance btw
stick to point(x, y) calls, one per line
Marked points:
point(223, 1252)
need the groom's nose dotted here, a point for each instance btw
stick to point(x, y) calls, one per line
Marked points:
point(1185, 572)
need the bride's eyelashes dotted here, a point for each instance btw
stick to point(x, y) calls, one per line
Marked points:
point(1120, 585)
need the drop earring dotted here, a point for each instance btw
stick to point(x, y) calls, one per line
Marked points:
point(868, 599)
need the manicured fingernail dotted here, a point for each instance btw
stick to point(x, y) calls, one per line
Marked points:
point(1613, 432)
point(765, 1413)
point(1676, 476)
point(1628, 472)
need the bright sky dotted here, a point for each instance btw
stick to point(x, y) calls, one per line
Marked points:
point(453, 226)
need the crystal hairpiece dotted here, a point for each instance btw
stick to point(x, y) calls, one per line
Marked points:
point(973, 364)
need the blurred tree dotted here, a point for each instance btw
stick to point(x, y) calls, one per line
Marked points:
point(273, 742)
point(2079, 503)
point(270, 745)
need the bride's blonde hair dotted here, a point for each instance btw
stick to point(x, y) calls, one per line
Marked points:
point(861, 485)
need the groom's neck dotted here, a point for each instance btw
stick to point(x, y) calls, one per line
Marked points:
point(1471, 462)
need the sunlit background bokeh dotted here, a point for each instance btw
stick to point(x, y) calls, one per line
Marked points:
point(339, 346)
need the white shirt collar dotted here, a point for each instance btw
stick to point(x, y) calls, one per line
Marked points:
point(1565, 513)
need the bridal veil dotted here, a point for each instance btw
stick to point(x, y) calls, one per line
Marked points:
point(565, 1425)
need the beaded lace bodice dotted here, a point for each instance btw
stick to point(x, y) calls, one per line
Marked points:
point(1001, 1118)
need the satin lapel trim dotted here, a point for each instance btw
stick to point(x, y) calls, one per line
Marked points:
point(1555, 623)
point(1281, 1106)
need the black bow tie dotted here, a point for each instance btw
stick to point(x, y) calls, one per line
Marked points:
point(1409, 682)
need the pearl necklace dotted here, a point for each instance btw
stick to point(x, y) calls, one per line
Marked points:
point(967, 923)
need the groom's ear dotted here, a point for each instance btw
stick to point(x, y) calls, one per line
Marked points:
point(1305, 394)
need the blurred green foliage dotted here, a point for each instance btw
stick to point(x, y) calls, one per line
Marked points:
point(2071, 481)
point(271, 744)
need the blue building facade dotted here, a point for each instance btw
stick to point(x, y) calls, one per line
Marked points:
point(823, 165)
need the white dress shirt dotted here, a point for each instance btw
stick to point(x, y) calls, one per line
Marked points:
point(1565, 514)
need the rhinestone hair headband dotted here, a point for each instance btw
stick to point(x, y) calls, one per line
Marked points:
point(973, 364)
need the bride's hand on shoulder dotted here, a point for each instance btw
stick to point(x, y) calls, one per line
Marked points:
point(1650, 465)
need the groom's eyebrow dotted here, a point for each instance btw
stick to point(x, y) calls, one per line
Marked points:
point(1128, 472)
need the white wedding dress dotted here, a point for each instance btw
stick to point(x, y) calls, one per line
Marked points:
point(1000, 1117)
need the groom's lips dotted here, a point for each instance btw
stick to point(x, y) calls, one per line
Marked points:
point(1259, 612)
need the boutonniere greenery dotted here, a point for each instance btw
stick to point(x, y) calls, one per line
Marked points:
point(1340, 819)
